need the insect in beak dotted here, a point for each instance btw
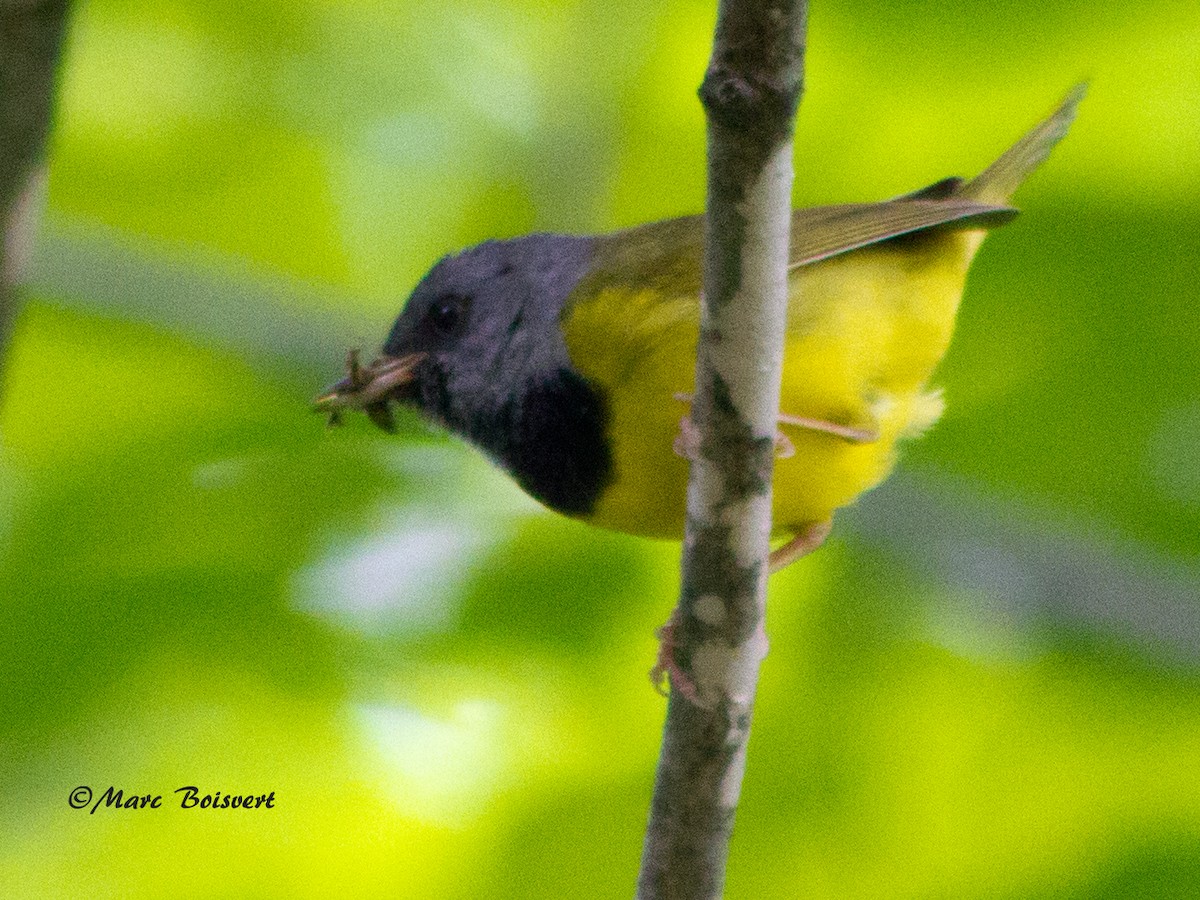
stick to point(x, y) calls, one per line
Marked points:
point(370, 388)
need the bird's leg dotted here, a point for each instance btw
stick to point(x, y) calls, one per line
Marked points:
point(805, 541)
point(848, 432)
point(802, 543)
point(687, 441)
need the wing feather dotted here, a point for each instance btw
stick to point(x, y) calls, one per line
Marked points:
point(820, 232)
point(666, 254)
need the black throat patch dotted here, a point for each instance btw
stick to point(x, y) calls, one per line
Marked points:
point(554, 442)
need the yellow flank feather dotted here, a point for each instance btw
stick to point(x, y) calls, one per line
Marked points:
point(873, 294)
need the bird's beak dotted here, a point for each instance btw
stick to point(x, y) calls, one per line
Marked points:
point(371, 388)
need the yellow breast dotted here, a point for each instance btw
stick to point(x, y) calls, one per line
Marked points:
point(865, 331)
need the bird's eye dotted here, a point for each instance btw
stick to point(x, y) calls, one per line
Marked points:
point(447, 314)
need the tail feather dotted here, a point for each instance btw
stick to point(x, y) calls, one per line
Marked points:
point(999, 180)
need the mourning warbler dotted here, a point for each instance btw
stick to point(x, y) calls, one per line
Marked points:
point(569, 360)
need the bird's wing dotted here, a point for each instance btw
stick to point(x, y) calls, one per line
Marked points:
point(667, 252)
point(820, 232)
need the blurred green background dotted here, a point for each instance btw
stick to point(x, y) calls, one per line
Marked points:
point(985, 686)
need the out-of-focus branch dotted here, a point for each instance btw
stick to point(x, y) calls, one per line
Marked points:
point(282, 326)
point(750, 93)
point(1033, 571)
point(31, 36)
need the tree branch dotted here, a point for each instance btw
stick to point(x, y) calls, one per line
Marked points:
point(750, 92)
point(31, 35)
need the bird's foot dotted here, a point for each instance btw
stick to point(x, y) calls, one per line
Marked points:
point(687, 442)
point(802, 543)
point(667, 674)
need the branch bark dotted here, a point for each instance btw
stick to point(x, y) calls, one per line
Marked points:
point(31, 37)
point(750, 93)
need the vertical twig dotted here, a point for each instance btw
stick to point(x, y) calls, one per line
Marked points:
point(750, 93)
point(31, 36)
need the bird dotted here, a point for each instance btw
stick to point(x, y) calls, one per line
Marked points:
point(569, 359)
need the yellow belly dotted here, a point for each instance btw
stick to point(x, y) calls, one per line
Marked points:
point(865, 331)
